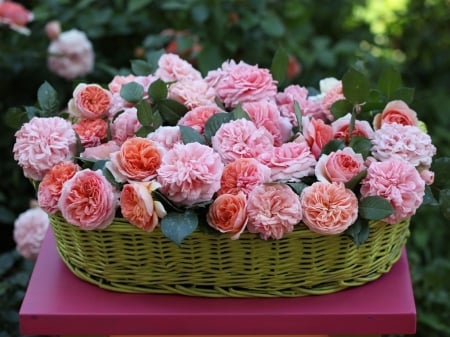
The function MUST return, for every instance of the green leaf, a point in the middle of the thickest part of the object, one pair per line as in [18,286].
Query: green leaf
[361,145]
[135,5]
[110,177]
[341,108]
[428,198]
[279,65]
[359,231]
[177,226]
[200,13]
[239,113]
[444,201]
[351,184]
[48,99]
[144,112]
[171,110]
[144,130]
[15,117]
[441,169]
[132,92]
[99,164]
[374,208]
[404,94]
[7,261]
[141,67]
[298,118]
[355,86]
[215,122]
[271,24]
[297,187]
[157,91]
[153,58]
[333,146]
[390,80]
[190,135]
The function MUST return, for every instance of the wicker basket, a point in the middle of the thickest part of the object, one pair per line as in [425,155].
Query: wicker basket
[126,259]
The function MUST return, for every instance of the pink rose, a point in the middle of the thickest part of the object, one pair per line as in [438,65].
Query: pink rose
[197,117]
[427,176]
[396,112]
[125,125]
[71,55]
[290,161]
[118,81]
[340,166]
[341,128]
[317,134]
[30,228]
[172,67]
[102,151]
[15,16]
[273,210]
[139,207]
[190,173]
[239,83]
[241,139]
[166,136]
[88,200]
[53,29]
[90,101]
[328,208]
[192,93]
[333,94]
[42,143]
[92,132]
[243,175]
[398,182]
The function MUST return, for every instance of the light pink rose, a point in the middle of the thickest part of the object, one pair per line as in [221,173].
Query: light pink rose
[53,29]
[88,200]
[328,208]
[404,142]
[290,161]
[241,139]
[397,181]
[340,166]
[30,228]
[102,151]
[396,112]
[273,210]
[190,173]
[341,128]
[71,55]
[172,67]
[166,136]
[90,101]
[241,82]
[42,143]
[317,134]
[118,81]
[197,117]
[192,93]
[125,126]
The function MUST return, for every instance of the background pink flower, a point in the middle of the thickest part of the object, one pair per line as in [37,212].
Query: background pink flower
[190,173]
[397,181]
[273,210]
[15,16]
[192,93]
[88,200]
[42,143]
[172,67]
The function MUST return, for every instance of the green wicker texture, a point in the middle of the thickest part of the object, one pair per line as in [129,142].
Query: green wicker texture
[126,259]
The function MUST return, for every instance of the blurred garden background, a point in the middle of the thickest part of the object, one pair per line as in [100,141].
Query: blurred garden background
[322,38]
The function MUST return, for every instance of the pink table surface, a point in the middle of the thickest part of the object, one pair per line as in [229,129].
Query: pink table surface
[58,303]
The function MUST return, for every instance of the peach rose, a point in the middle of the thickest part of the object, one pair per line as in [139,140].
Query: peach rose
[139,207]
[340,166]
[317,134]
[328,208]
[102,151]
[197,117]
[92,132]
[396,112]
[227,214]
[137,160]
[90,101]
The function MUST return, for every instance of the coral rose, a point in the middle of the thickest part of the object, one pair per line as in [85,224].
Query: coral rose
[396,112]
[328,208]
[340,166]
[227,214]
[88,200]
[90,101]
[273,210]
[197,117]
[341,128]
[317,134]
[139,207]
[15,16]
[92,132]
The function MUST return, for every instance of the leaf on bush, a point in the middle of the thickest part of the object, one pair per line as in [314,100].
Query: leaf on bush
[404,94]
[110,177]
[48,99]
[340,108]
[351,184]
[144,130]
[153,58]
[132,92]
[359,231]
[444,202]
[297,187]
[441,169]
[215,122]
[238,113]
[171,111]
[271,24]
[177,226]
[279,65]
[374,208]
[157,91]
[390,80]
[361,145]
[190,135]
[7,261]
[144,112]
[141,67]
[428,198]
[15,117]
[355,86]
[333,146]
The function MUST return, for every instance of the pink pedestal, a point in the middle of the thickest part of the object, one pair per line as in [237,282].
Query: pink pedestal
[58,303]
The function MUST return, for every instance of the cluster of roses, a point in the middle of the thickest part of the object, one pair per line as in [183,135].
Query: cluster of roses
[242,174]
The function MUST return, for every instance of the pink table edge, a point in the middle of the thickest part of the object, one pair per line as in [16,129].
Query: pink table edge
[58,303]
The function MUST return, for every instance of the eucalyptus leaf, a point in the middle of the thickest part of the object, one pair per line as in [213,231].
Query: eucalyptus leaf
[359,231]
[157,91]
[132,92]
[355,86]
[215,122]
[374,208]
[279,65]
[48,99]
[177,226]
[190,135]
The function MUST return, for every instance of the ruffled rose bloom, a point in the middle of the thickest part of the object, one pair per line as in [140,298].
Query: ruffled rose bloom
[404,142]
[50,187]
[290,161]
[341,128]
[328,208]
[88,200]
[125,125]
[71,55]
[317,134]
[241,139]
[332,93]
[92,132]
[172,67]
[227,214]
[190,173]
[166,136]
[42,143]
[192,93]
[102,151]
[90,101]
[340,166]
[273,210]
[242,176]
[266,114]
[241,82]
[396,112]
[137,160]
[197,117]
[15,16]
[397,181]
[118,81]
[139,207]
[30,228]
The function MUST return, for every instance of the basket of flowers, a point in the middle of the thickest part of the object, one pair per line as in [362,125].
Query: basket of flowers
[167,181]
